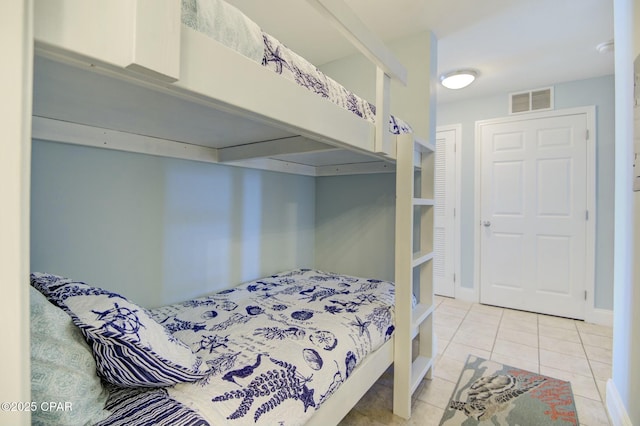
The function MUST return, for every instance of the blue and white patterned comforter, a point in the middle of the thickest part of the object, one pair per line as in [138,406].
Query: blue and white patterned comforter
[278,347]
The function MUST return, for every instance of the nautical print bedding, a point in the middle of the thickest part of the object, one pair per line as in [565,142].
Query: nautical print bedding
[278,347]
[294,67]
[235,30]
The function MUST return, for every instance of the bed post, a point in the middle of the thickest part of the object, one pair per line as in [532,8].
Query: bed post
[412,365]
[383,141]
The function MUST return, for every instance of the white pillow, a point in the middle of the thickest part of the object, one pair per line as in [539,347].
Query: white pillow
[130,348]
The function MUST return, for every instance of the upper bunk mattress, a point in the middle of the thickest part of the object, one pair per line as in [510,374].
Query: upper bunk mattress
[229,26]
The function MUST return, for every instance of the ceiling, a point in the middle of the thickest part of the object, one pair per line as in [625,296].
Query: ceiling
[514,45]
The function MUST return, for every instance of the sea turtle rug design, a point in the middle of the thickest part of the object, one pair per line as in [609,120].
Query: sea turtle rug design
[489,393]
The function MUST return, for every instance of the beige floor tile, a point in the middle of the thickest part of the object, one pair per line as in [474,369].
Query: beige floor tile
[436,392]
[452,311]
[515,350]
[525,325]
[474,327]
[600,330]
[581,385]
[598,354]
[444,332]
[477,340]
[424,414]
[590,412]
[357,418]
[482,318]
[375,405]
[460,304]
[558,322]
[448,369]
[446,319]
[597,340]
[487,310]
[461,352]
[516,362]
[562,346]
[564,362]
[520,315]
[441,345]
[601,370]
[529,339]
[559,333]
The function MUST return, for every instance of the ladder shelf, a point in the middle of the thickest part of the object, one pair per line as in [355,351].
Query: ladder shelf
[414,340]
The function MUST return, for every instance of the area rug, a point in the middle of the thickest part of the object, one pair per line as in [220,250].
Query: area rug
[490,393]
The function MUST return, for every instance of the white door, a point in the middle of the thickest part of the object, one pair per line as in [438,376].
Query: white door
[534,214]
[444,232]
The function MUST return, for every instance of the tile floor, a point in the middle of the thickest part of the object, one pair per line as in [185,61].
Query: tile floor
[558,347]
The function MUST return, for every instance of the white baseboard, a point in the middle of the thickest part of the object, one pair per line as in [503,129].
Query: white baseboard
[615,408]
[600,316]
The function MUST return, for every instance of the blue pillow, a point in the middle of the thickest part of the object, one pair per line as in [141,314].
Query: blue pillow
[130,348]
[62,368]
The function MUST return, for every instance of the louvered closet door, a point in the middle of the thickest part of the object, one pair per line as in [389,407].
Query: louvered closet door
[444,214]
[533,215]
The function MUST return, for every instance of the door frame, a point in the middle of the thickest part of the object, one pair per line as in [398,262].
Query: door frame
[455,240]
[590,115]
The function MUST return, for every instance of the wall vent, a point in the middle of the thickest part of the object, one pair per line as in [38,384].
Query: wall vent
[530,101]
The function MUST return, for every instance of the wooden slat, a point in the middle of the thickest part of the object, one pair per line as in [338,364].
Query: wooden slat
[419,369]
[420,313]
[424,202]
[383,142]
[80,134]
[356,169]
[422,258]
[296,144]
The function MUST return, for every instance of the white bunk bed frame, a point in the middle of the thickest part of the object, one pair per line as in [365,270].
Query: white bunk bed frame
[141,44]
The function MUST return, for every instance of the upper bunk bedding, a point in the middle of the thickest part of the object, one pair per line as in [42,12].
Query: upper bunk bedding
[229,26]
[172,80]
[270,351]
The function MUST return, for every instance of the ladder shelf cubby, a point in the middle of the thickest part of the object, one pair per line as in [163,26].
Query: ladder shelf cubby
[414,340]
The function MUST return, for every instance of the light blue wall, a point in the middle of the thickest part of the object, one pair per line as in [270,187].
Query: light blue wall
[161,230]
[596,91]
[355,223]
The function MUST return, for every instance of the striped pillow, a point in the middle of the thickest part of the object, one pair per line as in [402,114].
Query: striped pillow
[130,348]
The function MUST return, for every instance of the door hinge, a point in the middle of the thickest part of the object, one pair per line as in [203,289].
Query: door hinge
[454,212]
[587,134]
[454,277]
[586,215]
[585,295]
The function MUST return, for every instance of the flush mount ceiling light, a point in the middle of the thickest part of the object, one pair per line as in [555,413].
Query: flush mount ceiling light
[605,47]
[458,79]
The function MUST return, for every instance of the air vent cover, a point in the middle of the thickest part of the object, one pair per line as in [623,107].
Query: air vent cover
[532,100]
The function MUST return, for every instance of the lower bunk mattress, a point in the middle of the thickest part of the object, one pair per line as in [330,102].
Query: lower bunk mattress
[270,351]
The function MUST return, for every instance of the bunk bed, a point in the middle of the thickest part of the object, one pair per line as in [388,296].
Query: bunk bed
[98,68]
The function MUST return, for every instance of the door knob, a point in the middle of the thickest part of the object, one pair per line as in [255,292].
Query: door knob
[486,223]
